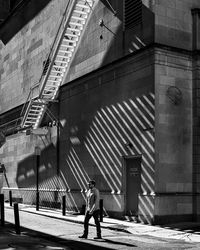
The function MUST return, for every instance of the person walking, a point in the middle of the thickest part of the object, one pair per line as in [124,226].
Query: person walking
[92,210]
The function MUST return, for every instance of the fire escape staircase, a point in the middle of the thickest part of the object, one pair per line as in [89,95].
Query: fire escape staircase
[58,62]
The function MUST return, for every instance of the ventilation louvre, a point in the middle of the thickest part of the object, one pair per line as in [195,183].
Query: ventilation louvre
[132,13]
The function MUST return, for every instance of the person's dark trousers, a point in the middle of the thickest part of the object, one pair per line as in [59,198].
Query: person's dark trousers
[96,220]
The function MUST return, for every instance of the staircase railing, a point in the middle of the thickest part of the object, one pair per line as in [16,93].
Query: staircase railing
[27,104]
[58,61]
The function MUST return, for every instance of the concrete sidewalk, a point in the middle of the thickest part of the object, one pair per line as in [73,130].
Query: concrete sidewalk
[179,231]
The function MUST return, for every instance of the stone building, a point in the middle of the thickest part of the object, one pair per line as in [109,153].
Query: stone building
[125,113]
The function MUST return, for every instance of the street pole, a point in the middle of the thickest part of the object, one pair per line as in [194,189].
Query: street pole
[101,209]
[37,181]
[37,152]
[64,205]
[10,197]
[16,214]
[2,209]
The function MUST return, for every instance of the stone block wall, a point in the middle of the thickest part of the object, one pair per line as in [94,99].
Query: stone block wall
[173,22]
[103,44]
[21,59]
[18,156]
[16,148]
[102,113]
[99,45]
[174,177]
[21,67]
[196,135]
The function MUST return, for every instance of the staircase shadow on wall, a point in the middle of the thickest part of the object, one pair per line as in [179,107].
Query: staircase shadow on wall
[26,171]
[26,177]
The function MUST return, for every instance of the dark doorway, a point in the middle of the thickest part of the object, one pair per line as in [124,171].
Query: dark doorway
[133,184]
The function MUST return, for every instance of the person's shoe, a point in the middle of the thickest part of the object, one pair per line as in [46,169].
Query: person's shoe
[98,237]
[83,236]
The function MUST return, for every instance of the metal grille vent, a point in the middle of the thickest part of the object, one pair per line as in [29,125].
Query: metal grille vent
[132,13]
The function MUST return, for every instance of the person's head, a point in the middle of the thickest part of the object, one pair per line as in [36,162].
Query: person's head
[91,184]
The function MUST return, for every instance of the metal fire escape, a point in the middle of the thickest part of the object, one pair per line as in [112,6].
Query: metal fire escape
[57,63]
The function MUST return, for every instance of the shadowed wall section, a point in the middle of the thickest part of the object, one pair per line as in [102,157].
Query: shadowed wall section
[123,129]
[107,116]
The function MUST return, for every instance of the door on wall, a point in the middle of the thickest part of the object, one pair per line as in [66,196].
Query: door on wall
[133,184]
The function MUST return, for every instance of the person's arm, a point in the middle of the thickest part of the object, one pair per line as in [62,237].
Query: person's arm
[96,201]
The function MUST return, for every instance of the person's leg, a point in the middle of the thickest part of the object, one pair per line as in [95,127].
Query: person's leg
[86,223]
[96,220]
